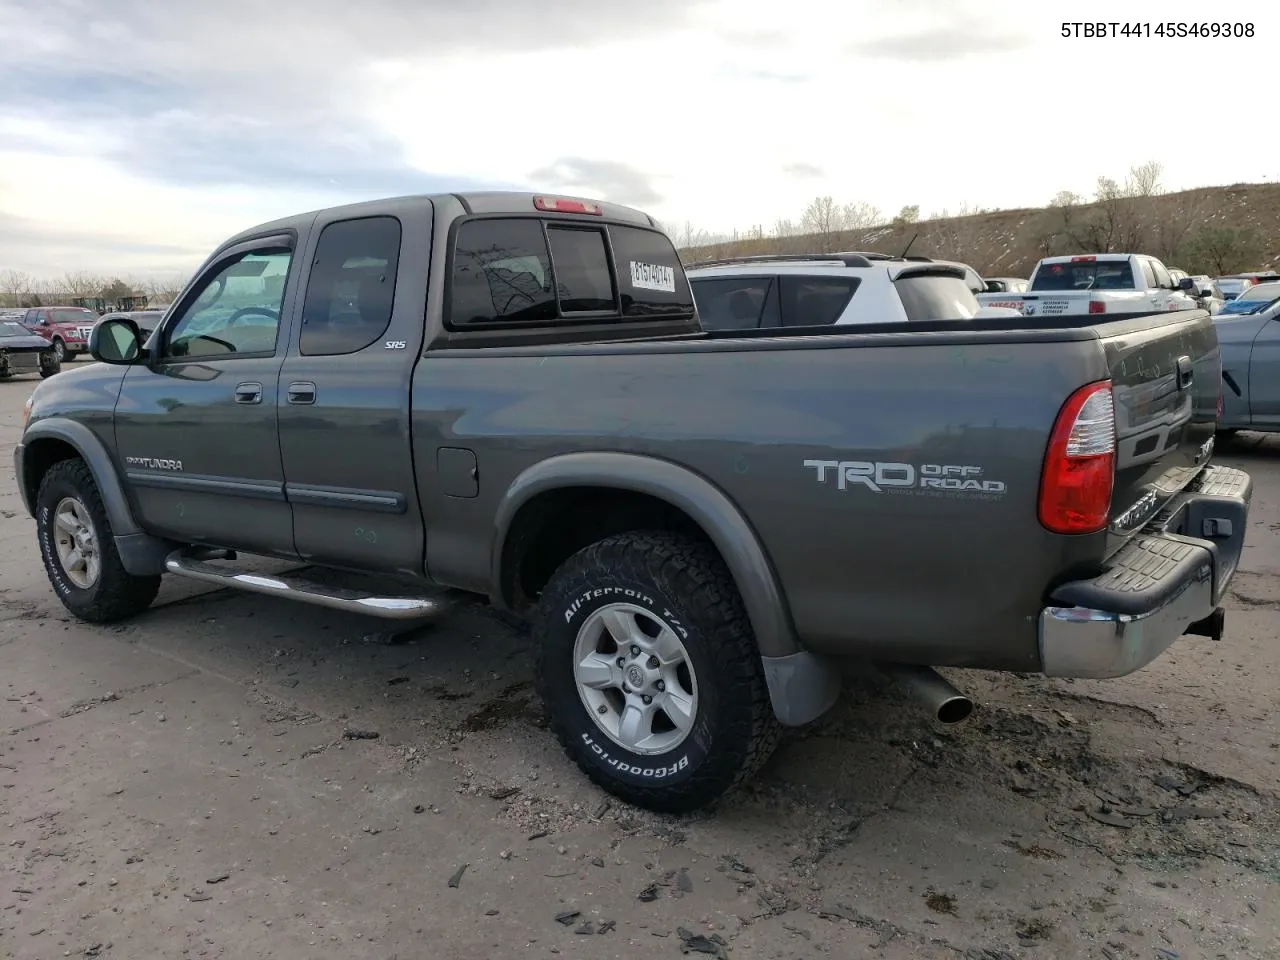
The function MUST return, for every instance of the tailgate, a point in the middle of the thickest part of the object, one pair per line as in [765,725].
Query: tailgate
[1166,374]
[1044,304]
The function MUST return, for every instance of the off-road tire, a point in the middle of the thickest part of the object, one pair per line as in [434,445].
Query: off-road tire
[50,369]
[117,594]
[734,731]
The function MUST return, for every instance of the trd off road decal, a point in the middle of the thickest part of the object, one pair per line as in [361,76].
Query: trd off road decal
[959,481]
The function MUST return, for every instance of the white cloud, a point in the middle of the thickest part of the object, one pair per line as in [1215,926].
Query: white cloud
[735,114]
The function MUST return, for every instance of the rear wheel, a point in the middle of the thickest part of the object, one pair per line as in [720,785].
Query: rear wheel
[79,551]
[49,364]
[649,672]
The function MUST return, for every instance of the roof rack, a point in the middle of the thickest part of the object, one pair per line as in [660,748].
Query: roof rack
[847,259]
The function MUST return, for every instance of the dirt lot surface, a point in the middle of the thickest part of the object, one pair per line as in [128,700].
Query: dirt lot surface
[205,781]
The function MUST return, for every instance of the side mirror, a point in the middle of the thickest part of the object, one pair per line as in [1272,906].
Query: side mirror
[1187,284]
[117,341]
[1205,292]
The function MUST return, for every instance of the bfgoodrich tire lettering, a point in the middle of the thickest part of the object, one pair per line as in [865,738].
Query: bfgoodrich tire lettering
[728,729]
[111,593]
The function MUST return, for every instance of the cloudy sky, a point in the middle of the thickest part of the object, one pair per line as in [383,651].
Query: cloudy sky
[134,134]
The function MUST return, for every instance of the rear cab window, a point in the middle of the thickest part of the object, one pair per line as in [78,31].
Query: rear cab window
[513,271]
[1084,275]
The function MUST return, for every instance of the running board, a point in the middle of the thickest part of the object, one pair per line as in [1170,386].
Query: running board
[194,564]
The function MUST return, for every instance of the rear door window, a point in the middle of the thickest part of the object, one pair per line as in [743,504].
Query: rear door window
[927,296]
[734,303]
[1163,280]
[522,270]
[1148,275]
[815,301]
[352,286]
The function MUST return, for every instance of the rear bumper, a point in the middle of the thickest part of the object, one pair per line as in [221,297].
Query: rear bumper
[1171,576]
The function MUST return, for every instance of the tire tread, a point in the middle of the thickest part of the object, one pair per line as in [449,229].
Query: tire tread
[693,572]
[120,594]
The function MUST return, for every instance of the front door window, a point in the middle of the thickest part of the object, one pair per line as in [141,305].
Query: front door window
[236,312]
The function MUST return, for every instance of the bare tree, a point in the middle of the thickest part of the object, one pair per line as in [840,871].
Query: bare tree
[823,218]
[907,215]
[162,290]
[14,286]
[81,284]
[115,289]
[688,236]
[1066,200]
[861,216]
[1144,179]
[1171,222]
[1224,250]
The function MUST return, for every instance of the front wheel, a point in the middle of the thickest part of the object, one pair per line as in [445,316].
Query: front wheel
[649,672]
[59,351]
[79,551]
[49,365]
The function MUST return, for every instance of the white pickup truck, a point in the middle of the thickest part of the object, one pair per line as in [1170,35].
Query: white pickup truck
[1097,283]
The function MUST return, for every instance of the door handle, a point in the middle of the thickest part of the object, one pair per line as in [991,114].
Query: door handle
[302,392]
[1186,372]
[249,393]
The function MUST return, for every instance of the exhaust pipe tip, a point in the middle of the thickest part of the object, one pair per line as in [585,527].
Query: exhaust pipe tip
[954,709]
[947,704]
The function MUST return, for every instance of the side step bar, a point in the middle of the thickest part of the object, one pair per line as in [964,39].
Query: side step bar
[194,564]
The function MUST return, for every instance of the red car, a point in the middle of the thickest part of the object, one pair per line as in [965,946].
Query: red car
[67,328]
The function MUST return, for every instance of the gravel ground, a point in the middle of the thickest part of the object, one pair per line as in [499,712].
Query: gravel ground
[205,781]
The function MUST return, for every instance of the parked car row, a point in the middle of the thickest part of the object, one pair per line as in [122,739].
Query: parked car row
[41,339]
[1249,334]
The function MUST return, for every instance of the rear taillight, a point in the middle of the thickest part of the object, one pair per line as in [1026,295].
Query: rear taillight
[1079,467]
[1097,306]
[1084,259]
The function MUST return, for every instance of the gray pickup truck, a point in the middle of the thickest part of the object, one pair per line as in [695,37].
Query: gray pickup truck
[511,396]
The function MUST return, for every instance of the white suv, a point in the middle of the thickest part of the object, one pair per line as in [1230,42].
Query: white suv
[819,290]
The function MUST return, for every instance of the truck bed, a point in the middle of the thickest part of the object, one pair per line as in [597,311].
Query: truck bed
[911,574]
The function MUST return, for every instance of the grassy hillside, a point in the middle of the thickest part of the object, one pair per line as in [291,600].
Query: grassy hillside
[1213,230]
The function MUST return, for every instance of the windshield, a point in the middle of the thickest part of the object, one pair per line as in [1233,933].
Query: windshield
[1231,286]
[8,328]
[1085,275]
[77,315]
[1254,300]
